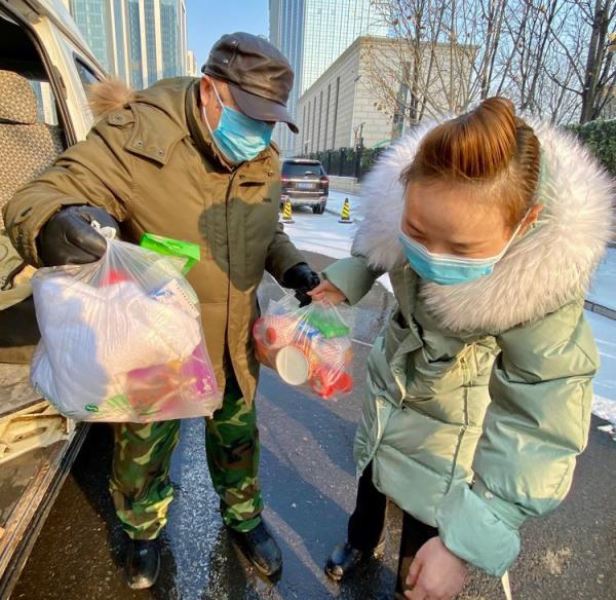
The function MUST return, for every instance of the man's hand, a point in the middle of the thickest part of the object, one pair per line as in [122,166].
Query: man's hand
[68,238]
[327,291]
[435,573]
[302,279]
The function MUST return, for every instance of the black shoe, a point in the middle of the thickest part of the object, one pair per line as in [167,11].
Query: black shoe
[142,563]
[260,548]
[345,558]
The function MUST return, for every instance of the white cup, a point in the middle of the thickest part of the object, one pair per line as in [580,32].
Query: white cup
[292,365]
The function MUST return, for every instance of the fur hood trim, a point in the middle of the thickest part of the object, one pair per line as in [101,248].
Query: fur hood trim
[108,96]
[547,268]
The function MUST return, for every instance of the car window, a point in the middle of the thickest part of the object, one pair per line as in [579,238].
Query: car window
[294,170]
[47,111]
[87,75]
[20,55]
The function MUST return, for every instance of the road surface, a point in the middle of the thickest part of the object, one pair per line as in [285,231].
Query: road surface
[309,485]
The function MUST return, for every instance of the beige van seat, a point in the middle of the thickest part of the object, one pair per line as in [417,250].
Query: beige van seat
[27,147]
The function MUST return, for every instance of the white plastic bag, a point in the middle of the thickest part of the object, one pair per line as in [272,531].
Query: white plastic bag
[121,340]
[309,345]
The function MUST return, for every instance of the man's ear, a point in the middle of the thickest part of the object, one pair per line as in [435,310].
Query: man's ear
[205,89]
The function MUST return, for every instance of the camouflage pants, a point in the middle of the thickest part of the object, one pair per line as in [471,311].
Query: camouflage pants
[140,485]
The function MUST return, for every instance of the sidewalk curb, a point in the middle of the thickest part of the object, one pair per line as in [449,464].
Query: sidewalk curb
[604,311]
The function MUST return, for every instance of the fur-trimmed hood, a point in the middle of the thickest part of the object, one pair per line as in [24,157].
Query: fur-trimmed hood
[547,268]
[109,95]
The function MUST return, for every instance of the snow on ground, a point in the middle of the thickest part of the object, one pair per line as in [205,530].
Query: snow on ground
[321,233]
[324,235]
[603,289]
[605,381]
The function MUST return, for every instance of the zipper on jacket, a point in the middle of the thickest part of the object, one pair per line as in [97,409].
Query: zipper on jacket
[465,383]
[227,197]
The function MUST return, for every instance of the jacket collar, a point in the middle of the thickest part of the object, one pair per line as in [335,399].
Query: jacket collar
[154,137]
[550,266]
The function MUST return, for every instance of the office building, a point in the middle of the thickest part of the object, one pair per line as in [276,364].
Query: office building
[138,41]
[340,109]
[192,68]
[92,18]
[312,34]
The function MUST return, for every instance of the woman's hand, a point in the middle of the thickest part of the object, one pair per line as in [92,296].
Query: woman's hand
[435,573]
[327,291]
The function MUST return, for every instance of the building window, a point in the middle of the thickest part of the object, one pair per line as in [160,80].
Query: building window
[335,124]
[320,116]
[87,76]
[136,74]
[118,11]
[307,141]
[170,31]
[150,41]
[401,102]
[304,127]
[314,120]
[329,97]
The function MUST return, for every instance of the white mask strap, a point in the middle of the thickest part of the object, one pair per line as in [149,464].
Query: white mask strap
[203,111]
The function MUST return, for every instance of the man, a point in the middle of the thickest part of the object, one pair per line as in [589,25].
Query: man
[188,159]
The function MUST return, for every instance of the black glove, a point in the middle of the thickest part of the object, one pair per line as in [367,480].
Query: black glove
[68,238]
[302,279]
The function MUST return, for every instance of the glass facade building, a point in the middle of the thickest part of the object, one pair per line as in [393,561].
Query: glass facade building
[312,34]
[138,41]
[134,45]
[150,40]
[92,18]
[170,35]
[119,35]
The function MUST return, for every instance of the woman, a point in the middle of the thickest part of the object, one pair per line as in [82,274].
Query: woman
[480,386]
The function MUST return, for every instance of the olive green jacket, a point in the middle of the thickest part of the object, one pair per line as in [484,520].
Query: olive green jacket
[151,163]
[479,394]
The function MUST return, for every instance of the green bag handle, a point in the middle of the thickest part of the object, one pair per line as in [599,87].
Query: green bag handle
[188,251]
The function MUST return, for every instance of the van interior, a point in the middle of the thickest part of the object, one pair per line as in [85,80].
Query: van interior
[31,137]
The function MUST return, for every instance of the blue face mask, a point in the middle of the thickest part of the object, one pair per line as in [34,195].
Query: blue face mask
[239,137]
[447,269]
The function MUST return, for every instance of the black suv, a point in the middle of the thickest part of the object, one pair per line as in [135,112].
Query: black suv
[304,183]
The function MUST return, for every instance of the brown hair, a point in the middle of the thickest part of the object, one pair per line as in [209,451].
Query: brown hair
[487,146]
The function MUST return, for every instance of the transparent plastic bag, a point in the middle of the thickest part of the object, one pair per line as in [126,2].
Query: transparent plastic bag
[307,345]
[121,340]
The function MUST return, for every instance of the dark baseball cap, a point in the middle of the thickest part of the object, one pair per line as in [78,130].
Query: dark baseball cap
[260,78]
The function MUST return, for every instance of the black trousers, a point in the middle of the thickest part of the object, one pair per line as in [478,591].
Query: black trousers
[367,526]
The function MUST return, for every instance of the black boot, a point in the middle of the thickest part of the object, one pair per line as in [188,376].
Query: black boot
[142,563]
[260,548]
[345,559]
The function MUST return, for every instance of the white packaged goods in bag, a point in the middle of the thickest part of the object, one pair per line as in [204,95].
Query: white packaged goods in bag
[121,340]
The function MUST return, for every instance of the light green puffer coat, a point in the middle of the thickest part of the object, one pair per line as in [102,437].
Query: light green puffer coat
[480,394]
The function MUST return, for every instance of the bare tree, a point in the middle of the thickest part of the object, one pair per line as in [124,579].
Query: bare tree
[553,58]
[600,74]
[427,69]
[584,34]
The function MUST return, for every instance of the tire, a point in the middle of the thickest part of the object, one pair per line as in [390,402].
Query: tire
[316,209]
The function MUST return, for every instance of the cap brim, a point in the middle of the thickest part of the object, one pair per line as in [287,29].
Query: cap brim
[262,109]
